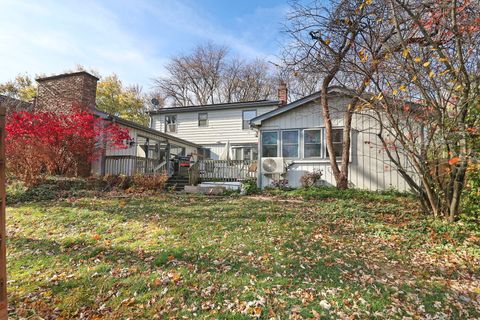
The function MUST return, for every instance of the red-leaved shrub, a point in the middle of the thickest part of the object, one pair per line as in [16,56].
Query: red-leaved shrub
[47,143]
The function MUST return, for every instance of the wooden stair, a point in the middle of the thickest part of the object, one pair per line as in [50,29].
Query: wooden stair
[177,183]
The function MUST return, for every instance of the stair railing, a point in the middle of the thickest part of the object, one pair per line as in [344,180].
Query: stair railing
[194,174]
[160,168]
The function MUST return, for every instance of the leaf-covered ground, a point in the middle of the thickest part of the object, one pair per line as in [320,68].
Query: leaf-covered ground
[177,256]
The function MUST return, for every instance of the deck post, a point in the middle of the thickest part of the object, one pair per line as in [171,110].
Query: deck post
[3,257]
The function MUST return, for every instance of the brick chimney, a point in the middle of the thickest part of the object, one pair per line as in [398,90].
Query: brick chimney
[61,92]
[282,93]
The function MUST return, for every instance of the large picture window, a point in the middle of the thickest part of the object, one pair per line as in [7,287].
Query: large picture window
[248,115]
[270,144]
[312,144]
[290,144]
[337,140]
[170,123]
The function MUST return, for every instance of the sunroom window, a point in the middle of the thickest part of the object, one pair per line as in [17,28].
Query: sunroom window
[269,144]
[290,143]
[312,143]
[337,140]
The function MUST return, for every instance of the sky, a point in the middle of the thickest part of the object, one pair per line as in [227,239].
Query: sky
[133,39]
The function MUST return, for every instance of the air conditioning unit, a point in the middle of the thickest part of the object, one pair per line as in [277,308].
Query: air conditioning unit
[273,165]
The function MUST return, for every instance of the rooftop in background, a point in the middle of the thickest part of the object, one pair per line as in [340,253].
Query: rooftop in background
[63,75]
[13,104]
[217,106]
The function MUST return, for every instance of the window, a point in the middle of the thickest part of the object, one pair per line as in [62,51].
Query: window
[247,116]
[290,144]
[205,153]
[245,153]
[269,144]
[171,123]
[337,140]
[311,144]
[203,119]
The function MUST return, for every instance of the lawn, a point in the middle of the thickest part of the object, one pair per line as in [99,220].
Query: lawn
[353,255]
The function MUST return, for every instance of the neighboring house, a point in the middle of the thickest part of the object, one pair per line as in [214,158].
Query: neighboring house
[212,126]
[296,132]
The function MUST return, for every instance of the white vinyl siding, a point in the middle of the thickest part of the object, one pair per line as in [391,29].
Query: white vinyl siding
[223,125]
[369,168]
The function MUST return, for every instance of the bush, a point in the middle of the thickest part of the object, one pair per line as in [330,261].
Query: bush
[49,189]
[150,182]
[471,196]
[311,179]
[249,186]
[281,184]
[40,144]
[115,182]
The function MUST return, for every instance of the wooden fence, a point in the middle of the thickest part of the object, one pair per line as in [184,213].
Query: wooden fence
[222,170]
[3,258]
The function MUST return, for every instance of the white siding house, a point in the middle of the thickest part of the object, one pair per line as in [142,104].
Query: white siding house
[212,126]
[296,133]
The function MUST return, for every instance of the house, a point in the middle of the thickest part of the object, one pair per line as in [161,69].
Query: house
[213,126]
[148,150]
[296,133]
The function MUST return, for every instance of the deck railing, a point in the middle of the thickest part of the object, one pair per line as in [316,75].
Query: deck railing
[129,165]
[222,170]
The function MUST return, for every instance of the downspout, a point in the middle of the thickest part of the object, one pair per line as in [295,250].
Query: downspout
[259,156]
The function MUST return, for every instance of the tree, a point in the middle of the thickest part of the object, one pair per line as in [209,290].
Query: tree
[21,88]
[427,92]
[47,143]
[323,41]
[208,75]
[123,101]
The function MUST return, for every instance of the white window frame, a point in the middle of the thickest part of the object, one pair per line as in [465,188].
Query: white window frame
[322,143]
[243,118]
[206,120]
[166,125]
[298,143]
[261,142]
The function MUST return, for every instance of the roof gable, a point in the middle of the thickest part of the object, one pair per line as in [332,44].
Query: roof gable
[332,91]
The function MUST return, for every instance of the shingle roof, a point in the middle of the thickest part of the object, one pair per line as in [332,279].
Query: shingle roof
[15,104]
[217,106]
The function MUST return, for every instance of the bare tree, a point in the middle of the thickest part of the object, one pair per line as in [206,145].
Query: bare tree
[208,75]
[435,64]
[323,41]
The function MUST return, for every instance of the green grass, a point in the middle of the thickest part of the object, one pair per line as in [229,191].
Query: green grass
[284,255]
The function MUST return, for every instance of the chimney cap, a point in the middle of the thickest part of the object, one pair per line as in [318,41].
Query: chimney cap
[63,75]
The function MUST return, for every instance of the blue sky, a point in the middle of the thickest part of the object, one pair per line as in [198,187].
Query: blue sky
[133,38]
